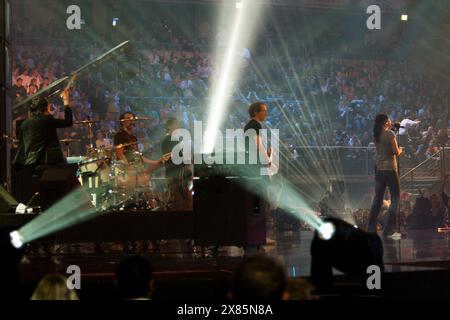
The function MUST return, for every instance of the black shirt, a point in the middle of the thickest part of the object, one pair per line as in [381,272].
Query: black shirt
[123,137]
[38,140]
[256,126]
[253,124]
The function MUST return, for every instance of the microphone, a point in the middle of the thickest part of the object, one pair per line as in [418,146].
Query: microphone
[32,198]
[396,126]
[22,208]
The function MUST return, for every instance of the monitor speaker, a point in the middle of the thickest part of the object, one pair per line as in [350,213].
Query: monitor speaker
[57,182]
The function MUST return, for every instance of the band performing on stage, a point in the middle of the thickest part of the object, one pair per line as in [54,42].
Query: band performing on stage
[224,151]
[119,176]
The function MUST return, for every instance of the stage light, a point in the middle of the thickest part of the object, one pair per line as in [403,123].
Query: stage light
[349,250]
[73,209]
[223,87]
[115,21]
[404,17]
[326,231]
[10,257]
[291,202]
[16,239]
[228,62]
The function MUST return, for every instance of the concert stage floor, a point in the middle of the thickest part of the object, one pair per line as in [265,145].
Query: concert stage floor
[420,251]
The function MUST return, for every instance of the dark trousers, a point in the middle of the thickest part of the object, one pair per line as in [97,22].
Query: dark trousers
[385,179]
[26,183]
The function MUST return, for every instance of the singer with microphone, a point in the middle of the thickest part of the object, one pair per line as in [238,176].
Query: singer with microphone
[386,175]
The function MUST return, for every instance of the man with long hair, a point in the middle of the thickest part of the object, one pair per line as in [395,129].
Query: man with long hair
[386,174]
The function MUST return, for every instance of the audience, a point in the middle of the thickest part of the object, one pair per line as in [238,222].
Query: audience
[259,279]
[351,93]
[300,289]
[54,287]
[134,279]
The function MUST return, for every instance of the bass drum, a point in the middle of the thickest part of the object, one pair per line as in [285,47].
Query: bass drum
[132,177]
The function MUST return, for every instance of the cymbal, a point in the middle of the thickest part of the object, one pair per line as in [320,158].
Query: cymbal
[92,160]
[69,140]
[122,145]
[87,121]
[135,119]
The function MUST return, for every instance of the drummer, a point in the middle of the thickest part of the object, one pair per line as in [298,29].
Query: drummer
[129,152]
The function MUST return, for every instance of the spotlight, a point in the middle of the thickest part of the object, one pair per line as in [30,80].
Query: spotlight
[10,257]
[243,21]
[404,17]
[338,244]
[326,231]
[16,239]
[115,21]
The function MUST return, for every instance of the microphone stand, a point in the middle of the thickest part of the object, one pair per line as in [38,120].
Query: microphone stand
[398,172]
[31,200]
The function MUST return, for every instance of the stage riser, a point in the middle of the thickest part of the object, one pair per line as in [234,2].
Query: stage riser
[116,226]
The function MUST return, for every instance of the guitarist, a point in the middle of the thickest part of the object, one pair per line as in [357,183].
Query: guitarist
[258,113]
[178,176]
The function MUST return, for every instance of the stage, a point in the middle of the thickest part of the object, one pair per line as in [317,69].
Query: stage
[416,266]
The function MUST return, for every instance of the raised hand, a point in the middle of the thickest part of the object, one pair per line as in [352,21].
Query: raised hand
[165,158]
[65,95]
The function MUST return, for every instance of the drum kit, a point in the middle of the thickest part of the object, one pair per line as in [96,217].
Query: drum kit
[111,183]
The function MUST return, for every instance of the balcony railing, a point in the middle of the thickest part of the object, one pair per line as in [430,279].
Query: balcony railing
[342,161]
[427,173]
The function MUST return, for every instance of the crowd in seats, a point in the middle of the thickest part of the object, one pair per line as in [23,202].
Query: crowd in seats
[313,101]
[168,84]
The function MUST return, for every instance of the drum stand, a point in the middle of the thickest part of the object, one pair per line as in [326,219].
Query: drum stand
[67,149]
[90,134]
[112,192]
